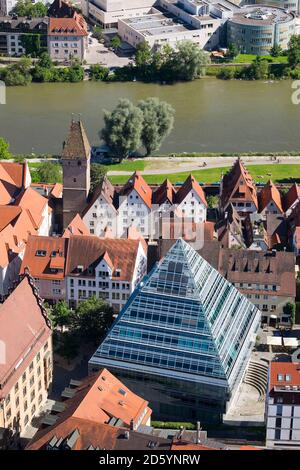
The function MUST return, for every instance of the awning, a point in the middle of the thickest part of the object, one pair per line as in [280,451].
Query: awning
[273,316]
[291,342]
[274,340]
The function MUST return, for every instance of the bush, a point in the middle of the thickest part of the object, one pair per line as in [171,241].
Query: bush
[98,73]
[226,73]
[173,425]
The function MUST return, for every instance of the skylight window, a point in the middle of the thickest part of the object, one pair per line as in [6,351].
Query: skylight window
[280,378]
[288,378]
[122,392]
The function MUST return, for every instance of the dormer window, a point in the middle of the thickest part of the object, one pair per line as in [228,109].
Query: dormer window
[80,268]
[118,272]
[40,253]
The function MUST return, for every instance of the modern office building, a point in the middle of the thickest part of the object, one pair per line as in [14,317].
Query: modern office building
[183,340]
[255,29]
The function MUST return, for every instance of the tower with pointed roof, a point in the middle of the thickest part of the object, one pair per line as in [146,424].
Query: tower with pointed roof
[76,157]
[184,339]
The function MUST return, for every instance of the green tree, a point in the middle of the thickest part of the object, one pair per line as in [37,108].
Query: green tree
[212,201]
[75,73]
[4,150]
[98,72]
[123,128]
[290,311]
[32,44]
[189,61]
[143,55]
[98,173]
[226,73]
[276,50]
[158,120]
[60,315]
[98,33]
[49,172]
[233,51]
[115,42]
[258,70]
[293,51]
[27,8]
[92,319]
[45,61]
[17,74]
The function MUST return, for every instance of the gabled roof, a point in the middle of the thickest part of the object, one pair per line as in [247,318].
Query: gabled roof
[164,193]
[238,185]
[292,196]
[12,180]
[89,251]
[189,185]
[76,227]
[23,326]
[74,26]
[269,193]
[136,182]
[106,190]
[43,254]
[34,203]
[77,143]
[8,214]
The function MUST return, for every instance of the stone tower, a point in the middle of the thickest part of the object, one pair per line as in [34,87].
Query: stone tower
[76,162]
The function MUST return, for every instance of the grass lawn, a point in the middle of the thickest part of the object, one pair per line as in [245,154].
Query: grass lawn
[278,173]
[127,165]
[248,58]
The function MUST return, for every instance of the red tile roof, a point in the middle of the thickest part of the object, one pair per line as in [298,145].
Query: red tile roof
[164,193]
[238,185]
[75,26]
[284,369]
[76,227]
[189,185]
[23,330]
[184,445]
[97,400]
[136,182]
[40,266]
[88,252]
[269,193]
[8,214]
[292,195]
[34,203]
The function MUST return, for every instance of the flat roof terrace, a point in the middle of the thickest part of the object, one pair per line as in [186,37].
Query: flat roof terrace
[157,23]
[258,15]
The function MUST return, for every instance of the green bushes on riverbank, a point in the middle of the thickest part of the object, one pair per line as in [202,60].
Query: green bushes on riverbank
[23,72]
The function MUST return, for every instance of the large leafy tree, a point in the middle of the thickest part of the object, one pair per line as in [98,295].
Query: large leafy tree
[61,314]
[189,61]
[4,150]
[293,51]
[98,172]
[92,319]
[49,172]
[158,120]
[27,8]
[123,128]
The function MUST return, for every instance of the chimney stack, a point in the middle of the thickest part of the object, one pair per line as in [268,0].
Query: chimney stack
[131,425]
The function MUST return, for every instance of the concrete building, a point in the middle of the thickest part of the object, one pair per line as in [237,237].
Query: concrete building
[290,5]
[108,12]
[67,38]
[26,357]
[283,406]
[256,29]
[13,29]
[159,29]
[183,340]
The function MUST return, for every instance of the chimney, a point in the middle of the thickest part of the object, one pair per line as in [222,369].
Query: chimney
[198,432]
[131,425]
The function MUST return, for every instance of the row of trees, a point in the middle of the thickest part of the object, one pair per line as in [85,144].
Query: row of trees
[128,127]
[27,8]
[23,72]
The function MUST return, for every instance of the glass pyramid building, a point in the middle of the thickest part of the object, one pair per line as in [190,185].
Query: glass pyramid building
[183,340]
